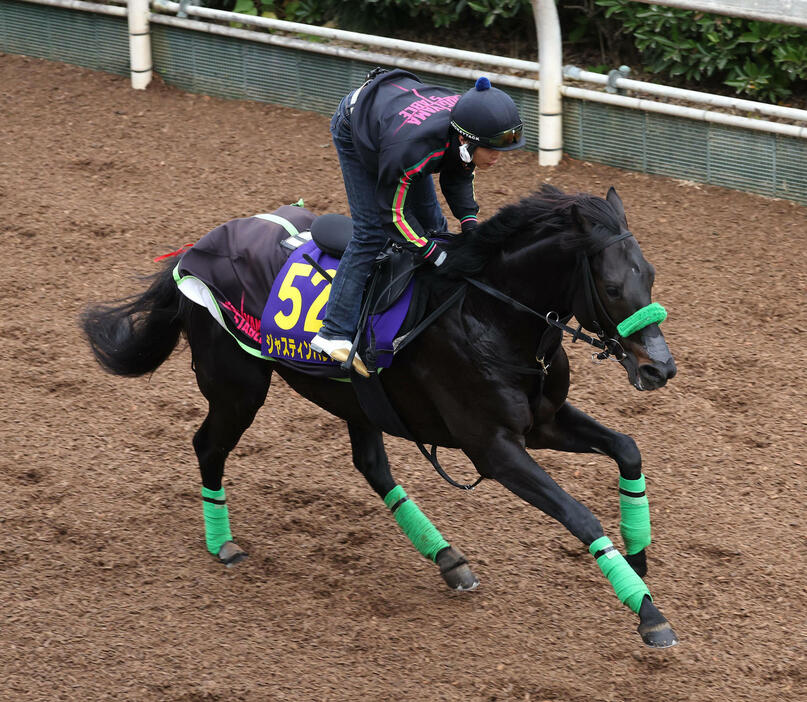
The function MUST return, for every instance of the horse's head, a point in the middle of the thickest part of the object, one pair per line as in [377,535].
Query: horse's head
[539,238]
[614,300]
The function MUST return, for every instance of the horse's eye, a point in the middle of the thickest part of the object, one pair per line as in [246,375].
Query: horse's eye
[611,291]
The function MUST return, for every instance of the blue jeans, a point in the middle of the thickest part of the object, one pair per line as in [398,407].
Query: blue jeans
[344,303]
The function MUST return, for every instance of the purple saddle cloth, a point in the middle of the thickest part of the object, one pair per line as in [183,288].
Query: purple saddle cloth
[296,306]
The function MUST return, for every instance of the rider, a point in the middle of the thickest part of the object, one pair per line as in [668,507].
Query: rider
[391,134]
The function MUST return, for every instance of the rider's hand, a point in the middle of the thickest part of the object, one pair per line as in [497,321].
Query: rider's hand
[436,256]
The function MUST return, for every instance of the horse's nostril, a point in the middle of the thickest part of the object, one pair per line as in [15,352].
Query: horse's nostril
[652,376]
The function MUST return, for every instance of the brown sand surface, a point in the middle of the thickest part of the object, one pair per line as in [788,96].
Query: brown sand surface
[107,590]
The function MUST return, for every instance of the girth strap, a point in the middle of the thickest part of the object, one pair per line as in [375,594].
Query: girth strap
[376,405]
[374,400]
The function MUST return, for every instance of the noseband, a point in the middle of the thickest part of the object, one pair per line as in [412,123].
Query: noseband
[653,313]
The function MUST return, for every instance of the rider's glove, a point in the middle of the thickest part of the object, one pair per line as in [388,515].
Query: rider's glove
[434,255]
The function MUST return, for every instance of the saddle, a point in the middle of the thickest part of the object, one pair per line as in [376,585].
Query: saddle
[390,279]
[394,266]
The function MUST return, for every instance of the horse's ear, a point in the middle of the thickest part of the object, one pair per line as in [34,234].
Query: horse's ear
[580,220]
[616,202]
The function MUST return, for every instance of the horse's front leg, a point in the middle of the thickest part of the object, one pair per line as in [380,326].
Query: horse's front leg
[505,459]
[574,431]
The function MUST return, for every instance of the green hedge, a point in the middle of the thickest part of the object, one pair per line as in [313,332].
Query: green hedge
[385,15]
[761,60]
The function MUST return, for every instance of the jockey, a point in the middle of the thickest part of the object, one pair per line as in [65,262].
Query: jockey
[390,135]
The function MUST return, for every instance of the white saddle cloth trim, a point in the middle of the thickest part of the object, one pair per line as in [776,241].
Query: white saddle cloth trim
[196,291]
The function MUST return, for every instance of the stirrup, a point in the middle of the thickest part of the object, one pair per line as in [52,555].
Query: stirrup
[339,350]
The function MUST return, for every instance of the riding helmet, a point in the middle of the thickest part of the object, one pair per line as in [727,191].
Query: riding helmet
[488,117]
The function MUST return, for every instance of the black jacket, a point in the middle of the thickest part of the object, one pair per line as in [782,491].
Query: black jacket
[401,132]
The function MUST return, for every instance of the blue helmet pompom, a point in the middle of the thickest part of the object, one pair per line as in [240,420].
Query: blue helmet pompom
[482,83]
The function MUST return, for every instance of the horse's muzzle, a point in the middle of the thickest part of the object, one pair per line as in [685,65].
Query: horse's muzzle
[652,376]
[648,362]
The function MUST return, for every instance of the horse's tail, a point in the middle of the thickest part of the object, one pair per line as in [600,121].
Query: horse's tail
[136,335]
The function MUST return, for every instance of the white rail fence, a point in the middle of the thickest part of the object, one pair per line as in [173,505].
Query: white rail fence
[548,79]
[546,76]
[548,73]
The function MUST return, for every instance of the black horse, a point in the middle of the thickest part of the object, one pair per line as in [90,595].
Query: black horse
[472,380]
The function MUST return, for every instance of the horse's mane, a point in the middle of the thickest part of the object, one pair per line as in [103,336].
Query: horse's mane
[547,213]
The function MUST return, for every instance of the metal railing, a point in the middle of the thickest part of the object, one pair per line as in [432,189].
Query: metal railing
[607,133]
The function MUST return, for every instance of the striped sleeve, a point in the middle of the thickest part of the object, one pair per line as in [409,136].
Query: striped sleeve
[411,230]
[458,189]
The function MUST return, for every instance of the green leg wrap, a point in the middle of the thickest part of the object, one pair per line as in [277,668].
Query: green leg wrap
[421,532]
[635,510]
[629,587]
[217,519]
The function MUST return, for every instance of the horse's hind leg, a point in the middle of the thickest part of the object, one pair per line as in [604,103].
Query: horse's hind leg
[574,431]
[370,458]
[235,385]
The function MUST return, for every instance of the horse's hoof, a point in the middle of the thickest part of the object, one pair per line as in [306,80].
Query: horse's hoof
[658,635]
[231,553]
[455,570]
[638,561]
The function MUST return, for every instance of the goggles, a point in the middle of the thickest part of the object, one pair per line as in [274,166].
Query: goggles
[502,139]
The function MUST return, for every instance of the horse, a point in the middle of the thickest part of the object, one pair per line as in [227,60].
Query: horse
[488,376]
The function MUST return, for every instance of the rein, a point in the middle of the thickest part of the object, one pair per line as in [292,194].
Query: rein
[610,346]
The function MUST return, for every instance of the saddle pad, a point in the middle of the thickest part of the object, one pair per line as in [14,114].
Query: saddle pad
[297,304]
[235,268]
[230,270]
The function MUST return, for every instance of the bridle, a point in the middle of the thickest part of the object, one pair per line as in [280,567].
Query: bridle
[610,346]
[595,309]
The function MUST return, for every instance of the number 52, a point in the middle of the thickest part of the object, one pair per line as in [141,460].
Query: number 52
[288,291]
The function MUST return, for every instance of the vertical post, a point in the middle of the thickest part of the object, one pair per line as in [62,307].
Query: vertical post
[139,43]
[550,58]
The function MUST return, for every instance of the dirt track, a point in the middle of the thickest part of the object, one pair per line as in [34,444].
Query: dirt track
[107,590]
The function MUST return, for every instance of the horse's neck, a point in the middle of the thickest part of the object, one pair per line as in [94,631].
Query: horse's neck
[542,282]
